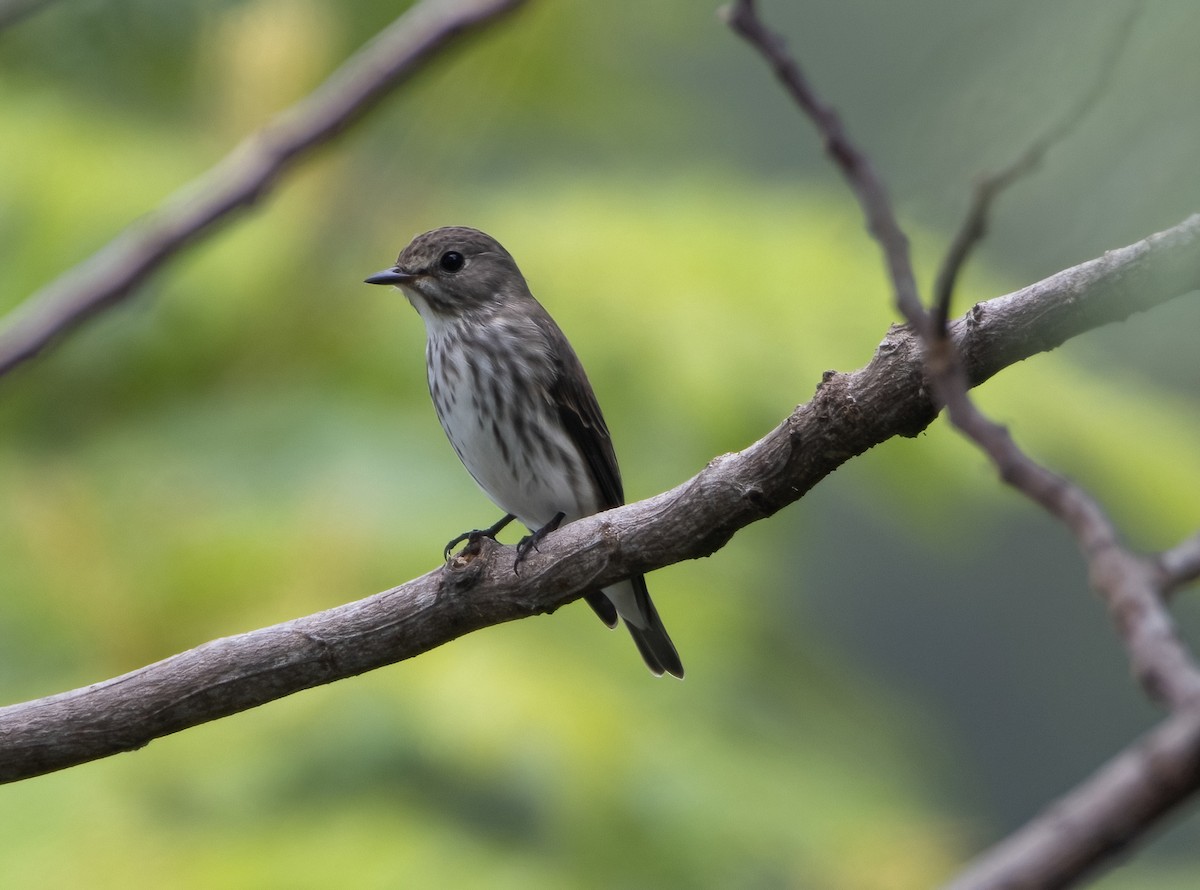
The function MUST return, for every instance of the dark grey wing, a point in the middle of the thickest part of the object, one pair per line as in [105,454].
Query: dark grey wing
[580,415]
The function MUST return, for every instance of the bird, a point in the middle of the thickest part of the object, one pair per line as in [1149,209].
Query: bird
[514,401]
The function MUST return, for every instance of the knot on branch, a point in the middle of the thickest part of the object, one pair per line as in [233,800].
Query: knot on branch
[758,501]
[467,568]
[319,650]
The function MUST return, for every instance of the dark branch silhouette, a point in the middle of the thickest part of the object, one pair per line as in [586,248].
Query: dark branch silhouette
[244,176]
[849,414]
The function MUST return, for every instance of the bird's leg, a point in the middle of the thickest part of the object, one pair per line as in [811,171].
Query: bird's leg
[475,535]
[530,542]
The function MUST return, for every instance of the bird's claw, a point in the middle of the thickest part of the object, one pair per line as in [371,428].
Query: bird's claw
[474,536]
[524,545]
[530,542]
[470,537]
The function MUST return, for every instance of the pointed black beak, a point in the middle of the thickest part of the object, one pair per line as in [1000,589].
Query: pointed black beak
[390,276]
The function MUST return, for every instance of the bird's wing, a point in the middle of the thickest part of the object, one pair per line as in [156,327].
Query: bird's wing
[581,418]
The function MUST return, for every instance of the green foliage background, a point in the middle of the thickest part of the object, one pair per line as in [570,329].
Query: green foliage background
[880,680]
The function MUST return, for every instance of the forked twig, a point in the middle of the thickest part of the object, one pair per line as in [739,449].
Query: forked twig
[1131,587]
[988,187]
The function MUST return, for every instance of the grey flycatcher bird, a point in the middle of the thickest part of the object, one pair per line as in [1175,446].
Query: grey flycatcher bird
[517,406]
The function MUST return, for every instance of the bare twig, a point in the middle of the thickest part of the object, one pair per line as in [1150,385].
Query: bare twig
[14,11]
[1131,587]
[849,414]
[1159,659]
[988,188]
[1180,565]
[1099,817]
[856,167]
[244,176]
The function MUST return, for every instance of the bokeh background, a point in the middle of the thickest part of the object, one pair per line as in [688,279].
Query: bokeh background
[882,679]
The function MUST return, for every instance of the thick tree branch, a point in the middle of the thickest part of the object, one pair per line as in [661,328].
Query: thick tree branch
[244,176]
[849,414]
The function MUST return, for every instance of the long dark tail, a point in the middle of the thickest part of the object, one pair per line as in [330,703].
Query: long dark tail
[652,639]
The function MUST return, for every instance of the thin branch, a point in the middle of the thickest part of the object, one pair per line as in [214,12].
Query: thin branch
[1127,584]
[13,12]
[1099,817]
[856,167]
[244,176]
[1131,587]
[849,414]
[1180,565]
[988,188]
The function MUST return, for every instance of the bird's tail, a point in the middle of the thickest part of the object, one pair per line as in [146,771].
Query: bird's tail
[633,603]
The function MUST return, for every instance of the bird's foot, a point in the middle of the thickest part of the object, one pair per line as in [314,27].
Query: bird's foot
[530,542]
[474,536]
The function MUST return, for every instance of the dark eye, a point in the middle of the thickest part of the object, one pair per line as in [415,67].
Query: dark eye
[452,261]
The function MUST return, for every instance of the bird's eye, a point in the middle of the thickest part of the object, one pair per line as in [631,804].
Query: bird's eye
[452,261]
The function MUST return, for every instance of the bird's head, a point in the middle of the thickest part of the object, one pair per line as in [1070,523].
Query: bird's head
[454,271]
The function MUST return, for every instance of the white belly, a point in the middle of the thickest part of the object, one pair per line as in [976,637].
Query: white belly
[533,472]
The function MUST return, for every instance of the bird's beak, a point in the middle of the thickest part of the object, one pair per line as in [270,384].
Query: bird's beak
[391,276]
